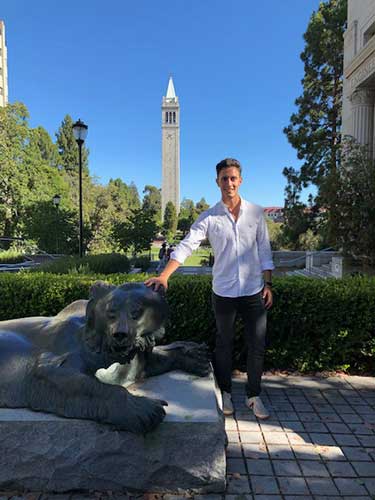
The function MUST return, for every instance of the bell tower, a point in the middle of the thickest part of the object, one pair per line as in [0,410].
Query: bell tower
[170,112]
[3,67]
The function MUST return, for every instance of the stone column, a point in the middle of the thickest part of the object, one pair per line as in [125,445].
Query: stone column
[309,260]
[337,266]
[363,117]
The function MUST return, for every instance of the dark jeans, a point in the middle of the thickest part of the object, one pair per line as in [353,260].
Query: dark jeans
[251,309]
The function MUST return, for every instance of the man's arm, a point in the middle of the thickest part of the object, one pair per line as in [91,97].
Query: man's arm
[162,279]
[196,235]
[265,256]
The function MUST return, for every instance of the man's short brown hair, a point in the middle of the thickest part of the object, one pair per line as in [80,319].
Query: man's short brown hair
[228,162]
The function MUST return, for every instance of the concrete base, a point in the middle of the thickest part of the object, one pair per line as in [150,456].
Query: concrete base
[186,453]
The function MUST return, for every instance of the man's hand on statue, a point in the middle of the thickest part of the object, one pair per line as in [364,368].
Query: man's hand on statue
[267,296]
[157,282]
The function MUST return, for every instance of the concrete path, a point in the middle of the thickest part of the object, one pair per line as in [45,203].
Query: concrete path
[318,444]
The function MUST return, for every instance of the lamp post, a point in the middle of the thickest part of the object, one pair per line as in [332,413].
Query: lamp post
[80,133]
[56,201]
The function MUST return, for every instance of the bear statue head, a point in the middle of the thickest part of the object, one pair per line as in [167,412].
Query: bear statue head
[123,320]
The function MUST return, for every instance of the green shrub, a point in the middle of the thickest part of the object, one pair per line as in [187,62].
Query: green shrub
[142,261]
[45,294]
[314,324]
[90,264]
[11,257]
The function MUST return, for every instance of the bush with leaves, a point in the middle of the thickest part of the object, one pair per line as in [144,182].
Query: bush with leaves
[314,325]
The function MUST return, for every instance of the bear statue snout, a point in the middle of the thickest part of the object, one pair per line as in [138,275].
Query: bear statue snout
[123,338]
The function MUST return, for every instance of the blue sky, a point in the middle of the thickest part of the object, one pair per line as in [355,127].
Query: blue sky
[235,66]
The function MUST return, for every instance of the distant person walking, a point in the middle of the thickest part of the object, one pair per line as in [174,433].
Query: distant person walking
[162,257]
[170,251]
[242,279]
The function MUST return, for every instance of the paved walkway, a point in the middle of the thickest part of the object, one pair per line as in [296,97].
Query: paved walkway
[318,444]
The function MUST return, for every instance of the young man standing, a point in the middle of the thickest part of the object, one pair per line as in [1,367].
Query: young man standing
[242,279]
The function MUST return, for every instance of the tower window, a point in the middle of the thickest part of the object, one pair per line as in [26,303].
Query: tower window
[166,117]
[174,116]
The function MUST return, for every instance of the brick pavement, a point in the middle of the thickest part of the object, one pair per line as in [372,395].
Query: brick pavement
[319,443]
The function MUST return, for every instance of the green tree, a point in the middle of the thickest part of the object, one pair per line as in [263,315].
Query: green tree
[26,174]
[108,205]
[54,230]
[48,150]
[314,129]
[152,201]
[137,233]
[170,220]
[310,240]
[125,198]
[187,215]
[296,219]
[355,203]
[13,138]
[68,148]
[275,233]
[201,206]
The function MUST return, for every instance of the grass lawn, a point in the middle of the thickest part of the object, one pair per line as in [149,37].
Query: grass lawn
[193,260]
[197,256]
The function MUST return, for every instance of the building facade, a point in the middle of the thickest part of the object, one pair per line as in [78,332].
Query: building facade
[3,67]
[274,213]
[170,108]
[358,116]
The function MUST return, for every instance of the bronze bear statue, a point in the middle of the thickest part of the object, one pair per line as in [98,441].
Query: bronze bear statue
[49,363]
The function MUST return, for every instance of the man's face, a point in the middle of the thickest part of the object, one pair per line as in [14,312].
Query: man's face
[229,180]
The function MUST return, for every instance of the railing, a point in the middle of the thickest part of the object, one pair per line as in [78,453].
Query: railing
[32,246]
[302,258]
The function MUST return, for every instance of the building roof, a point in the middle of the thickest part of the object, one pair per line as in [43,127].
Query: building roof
[269,210]
[171,94]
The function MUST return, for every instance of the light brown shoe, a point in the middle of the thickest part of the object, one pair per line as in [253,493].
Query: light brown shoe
[256,404]
[227,404]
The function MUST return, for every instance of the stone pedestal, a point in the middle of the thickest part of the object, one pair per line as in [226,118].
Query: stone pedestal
[42,452]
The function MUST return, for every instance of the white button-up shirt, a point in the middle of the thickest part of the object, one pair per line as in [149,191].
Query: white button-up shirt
[242,248]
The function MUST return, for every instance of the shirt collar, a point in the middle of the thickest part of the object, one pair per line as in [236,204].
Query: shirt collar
[226,210]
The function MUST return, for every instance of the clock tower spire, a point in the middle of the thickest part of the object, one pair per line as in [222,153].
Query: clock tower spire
[170,108]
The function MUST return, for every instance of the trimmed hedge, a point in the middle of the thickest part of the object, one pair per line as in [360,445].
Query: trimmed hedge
[314,324]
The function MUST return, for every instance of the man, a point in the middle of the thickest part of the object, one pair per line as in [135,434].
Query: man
[242,279]
[162,256]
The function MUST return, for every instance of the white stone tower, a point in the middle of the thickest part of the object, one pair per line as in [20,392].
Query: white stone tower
[3,67]
[170,108]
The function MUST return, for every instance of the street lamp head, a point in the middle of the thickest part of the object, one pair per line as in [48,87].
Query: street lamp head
[80,131]
[56,200]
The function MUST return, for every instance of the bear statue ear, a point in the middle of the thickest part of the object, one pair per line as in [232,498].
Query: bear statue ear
[99,289]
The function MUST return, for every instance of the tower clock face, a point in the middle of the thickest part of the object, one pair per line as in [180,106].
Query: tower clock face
[169,136]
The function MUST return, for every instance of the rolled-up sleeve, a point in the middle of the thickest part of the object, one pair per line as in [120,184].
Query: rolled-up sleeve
[197,233]
[264,246]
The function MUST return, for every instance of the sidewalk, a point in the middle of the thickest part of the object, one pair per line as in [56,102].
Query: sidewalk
[318,444]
